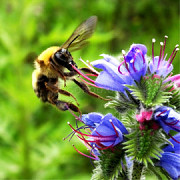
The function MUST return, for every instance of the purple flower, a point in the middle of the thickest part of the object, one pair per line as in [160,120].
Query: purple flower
[170,159]
[110,78]
[175,140]
[104,131]
[114,75]
[135,62]
[170,162]
[92,119]
[167,118]
[159,65]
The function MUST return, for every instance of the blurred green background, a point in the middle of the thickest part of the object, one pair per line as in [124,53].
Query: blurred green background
[31,133]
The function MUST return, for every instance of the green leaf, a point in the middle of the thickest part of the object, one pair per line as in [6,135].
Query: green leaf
[149,91]
[142,145]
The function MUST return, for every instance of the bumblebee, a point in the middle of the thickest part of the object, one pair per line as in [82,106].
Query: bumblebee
[51,64]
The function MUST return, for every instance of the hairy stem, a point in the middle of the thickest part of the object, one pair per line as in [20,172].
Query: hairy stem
[137,172]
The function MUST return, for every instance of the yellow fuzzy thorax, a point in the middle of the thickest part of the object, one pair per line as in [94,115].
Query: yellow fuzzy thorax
[45,55]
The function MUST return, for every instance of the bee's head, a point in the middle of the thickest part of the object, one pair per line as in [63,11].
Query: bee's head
[63,57]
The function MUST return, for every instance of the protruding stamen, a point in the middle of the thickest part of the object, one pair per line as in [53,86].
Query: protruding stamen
[114,127]
[177,49]
[119,68]
[165,37]
[160,55]
[91,75]
[173,56]
[94,158]
[161,113]
[126,65]
[89,66]
[89,83]
[173,138]
[96,138]
[153,41]
[76,117]
[83,75]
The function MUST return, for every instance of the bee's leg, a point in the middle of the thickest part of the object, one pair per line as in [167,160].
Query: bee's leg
[62,105]
[85,88]
[70,74]
[55,89]
[60,73]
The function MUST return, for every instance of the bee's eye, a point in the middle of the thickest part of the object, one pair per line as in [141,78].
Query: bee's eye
[59,56]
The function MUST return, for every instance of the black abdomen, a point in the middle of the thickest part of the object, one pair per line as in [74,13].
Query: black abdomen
[42,92]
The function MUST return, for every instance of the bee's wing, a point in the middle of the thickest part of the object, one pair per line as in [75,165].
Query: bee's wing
[84,31]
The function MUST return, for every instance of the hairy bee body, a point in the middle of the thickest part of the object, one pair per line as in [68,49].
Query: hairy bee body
[50,65]
[38,82]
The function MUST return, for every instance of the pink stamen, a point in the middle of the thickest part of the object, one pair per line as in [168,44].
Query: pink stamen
[83,75]
[91,75]
[161,43]
[162,113]
[82,139]
[142,56]
[153,41]
[165,37]
[126,65]
[119,68]
[76,117]
[94,158]
[90,83]
[173,57]
[105,139]
[114,128]
[174,139]
[89,66]
[172,53]
[101,138]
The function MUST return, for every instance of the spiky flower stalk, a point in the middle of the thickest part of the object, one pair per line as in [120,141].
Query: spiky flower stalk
[148,102]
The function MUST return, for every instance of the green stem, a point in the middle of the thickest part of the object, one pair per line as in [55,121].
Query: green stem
[137,171]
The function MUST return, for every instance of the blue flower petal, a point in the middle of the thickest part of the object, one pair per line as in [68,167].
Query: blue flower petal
[176,146]
[164,68]
[133,50]
[170,162]
[167,118]
[92,119]
[110,78]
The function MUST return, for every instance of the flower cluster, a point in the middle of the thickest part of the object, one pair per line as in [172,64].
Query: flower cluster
[101,132]
[149,96]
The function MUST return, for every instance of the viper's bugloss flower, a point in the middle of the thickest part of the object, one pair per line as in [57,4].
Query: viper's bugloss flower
[115,75]
[168,118]
[110,78]
[159,65]
[92,120]
[170,159]
[170,162]
[104,131]
[135,63]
